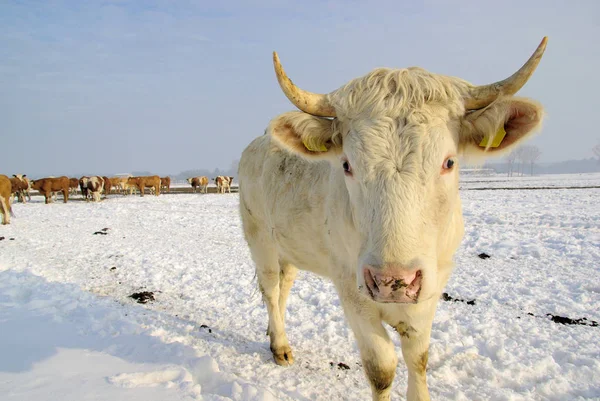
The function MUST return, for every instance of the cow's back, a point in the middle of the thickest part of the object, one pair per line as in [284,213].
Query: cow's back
[58,184]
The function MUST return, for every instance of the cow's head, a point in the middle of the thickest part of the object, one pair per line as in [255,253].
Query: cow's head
[394,138]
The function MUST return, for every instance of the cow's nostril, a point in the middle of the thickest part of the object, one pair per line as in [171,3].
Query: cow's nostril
[370,281]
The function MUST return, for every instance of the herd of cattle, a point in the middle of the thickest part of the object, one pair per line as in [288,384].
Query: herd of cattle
[19,186]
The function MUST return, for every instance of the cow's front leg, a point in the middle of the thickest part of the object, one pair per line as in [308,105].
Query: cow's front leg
[415,348]
[286,280]
[269,275]
[376,348]
[415,337]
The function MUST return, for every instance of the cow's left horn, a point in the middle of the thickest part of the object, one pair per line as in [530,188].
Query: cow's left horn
[311,103]
[481,96]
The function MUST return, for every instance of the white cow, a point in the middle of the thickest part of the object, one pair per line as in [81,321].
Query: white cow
[361,186]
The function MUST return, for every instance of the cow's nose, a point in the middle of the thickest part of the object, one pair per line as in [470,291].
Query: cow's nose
[392,283]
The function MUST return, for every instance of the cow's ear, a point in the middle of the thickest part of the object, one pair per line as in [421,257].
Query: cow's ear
[497,128]
[306,135]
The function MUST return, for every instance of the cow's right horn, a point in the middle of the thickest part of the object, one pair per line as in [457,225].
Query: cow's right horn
[311,103]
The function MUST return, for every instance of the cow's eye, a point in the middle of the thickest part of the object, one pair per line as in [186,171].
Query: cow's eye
[347,167]
[448,163]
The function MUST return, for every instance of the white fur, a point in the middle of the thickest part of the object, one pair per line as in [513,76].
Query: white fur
[400,208]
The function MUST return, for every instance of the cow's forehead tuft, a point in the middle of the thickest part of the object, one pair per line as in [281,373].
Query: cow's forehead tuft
[398,93]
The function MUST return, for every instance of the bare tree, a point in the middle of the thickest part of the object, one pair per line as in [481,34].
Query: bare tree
[530,154]
[596,150]
[510,162]
[233,168]
[519,154]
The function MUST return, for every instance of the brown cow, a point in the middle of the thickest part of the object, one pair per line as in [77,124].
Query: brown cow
[194,182]
[18,187]
[165,182]
[25,191]
[107,185]
[223,183]
[25,187]
[83,187]
[119,184]
[153,182]
[131,184]
[5,191]
[150,181]
[46,186]
[73,185]
[201,181]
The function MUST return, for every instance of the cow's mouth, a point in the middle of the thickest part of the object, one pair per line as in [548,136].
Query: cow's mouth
[393,287]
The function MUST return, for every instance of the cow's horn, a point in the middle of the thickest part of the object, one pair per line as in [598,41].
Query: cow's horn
[481,96]
[311,103]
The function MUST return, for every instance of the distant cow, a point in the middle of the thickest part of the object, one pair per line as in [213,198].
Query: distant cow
[83,187]
[107,186]
[131,184]
[165,182]
[201,181]
[18,187]
[5,191]
[223,183]
[151,181]
[46,186]
[73,185]
[95,185]
[26,187]
[119,183]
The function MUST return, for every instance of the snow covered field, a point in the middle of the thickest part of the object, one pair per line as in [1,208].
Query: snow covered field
[69,331]
[527,181]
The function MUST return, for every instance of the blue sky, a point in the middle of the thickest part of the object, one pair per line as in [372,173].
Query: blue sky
[103,87]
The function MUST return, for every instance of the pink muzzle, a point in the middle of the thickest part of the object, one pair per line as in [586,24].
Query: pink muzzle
[392,285]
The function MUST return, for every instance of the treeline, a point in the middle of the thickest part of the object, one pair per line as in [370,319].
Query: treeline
[590,165]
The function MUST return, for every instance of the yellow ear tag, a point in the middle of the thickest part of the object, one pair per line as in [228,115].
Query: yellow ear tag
[497,139]
[314,147]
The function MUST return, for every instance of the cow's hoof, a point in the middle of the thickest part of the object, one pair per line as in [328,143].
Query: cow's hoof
[283,356]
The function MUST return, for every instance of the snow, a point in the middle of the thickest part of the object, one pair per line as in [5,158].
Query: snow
[528,181]
[69,331]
